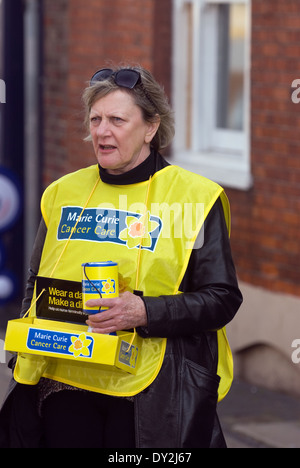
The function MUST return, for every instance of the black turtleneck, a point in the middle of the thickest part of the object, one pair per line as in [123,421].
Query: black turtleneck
[141,173]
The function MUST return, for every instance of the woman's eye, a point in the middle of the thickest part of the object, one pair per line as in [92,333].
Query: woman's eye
[117,119]
[95,119]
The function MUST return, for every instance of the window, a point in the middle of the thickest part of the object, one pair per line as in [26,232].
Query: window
[230,66]
[212,89]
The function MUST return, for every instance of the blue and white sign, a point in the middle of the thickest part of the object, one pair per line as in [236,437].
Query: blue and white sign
[68,344]
[8,286]
[105,286]
[10,210]
[126,228]
[10,200]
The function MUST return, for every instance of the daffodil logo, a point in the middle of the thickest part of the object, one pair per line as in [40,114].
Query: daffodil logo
[108,286]
[80,346]
[138,231]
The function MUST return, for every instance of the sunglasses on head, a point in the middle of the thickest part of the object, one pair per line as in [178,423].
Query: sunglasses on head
[126,78]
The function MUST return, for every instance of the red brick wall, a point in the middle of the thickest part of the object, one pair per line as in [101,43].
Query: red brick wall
[80,37]
[266,220]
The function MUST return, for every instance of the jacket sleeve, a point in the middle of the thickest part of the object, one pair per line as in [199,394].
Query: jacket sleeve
[34,266]
[211,296]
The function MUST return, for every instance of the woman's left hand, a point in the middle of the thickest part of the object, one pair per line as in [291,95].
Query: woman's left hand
[123,313]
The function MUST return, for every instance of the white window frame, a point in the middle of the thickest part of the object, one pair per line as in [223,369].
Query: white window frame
[220,155]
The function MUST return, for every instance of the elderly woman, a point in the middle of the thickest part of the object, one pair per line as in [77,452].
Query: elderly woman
[178,284]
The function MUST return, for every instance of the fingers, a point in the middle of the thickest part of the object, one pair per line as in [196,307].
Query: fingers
[122,313]
[106,321]
[102,302]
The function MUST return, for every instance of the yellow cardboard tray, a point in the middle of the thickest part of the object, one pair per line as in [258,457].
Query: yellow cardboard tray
[71,341]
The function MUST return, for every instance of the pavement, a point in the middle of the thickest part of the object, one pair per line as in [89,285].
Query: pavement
[255,417]
[251,416]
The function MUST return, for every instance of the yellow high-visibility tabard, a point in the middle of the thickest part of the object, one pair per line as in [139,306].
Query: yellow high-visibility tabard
[149,229]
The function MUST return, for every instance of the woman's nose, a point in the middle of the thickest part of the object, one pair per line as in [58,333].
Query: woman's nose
[103,129]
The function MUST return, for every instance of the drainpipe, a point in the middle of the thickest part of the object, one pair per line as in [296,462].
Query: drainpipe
[32,87]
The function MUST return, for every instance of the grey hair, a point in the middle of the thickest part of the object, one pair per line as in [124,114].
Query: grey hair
[150,87]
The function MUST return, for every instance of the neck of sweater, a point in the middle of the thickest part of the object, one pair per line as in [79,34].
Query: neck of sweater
[140,173]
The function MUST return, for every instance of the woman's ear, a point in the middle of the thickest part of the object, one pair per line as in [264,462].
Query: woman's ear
[152,129]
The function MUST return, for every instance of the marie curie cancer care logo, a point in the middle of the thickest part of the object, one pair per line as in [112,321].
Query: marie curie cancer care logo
[120,227]
[2,92]
[132,229]
[68,344]
[106,286]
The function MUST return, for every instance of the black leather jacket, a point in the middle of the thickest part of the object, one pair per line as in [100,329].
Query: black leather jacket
[178,410]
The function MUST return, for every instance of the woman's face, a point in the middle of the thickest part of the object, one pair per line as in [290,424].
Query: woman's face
[121,137]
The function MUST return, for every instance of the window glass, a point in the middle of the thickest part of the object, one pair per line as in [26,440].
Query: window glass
[231,65]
